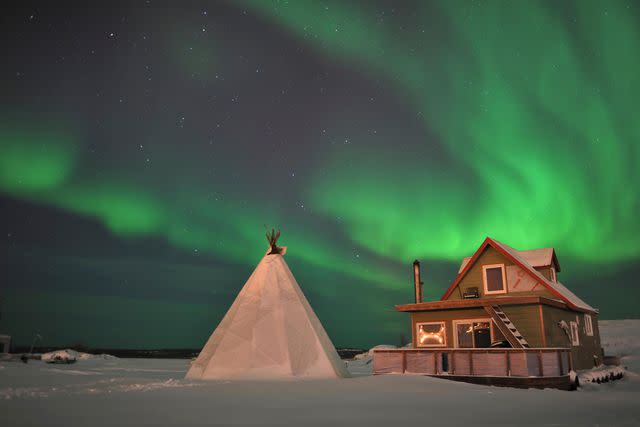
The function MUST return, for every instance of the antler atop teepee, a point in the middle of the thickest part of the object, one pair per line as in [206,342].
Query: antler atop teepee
[272,237]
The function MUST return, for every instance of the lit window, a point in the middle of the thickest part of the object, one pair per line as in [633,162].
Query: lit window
[431,334]
[588,326]
[575,339]
[473,333]
[494,279]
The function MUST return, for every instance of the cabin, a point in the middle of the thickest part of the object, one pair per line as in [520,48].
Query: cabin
[506,315]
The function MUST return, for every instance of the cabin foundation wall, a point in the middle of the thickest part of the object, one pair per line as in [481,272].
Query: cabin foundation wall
[490,366]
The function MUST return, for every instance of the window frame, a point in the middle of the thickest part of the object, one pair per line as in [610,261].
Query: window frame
[588,325]
[573,327]
[484,279]
[439,322]
[457,322]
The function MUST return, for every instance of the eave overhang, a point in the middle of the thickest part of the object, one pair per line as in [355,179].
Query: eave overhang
[480,302]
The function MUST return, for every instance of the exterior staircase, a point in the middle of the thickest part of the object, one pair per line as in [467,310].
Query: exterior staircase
[506,326]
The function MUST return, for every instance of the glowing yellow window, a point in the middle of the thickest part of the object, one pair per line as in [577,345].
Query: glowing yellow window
[431,334]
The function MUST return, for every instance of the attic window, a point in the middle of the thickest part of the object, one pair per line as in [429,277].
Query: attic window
[431,334]
[494,279]
[553,274]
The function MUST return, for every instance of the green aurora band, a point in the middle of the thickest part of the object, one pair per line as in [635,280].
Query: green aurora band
[534,103]
[535,136]
[42,166]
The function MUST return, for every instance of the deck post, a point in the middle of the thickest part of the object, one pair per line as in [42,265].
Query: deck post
[452,363]
[540,363]
[470,362]
[404,361]
[507,362]
[435,362]
[570,360]
[560,362]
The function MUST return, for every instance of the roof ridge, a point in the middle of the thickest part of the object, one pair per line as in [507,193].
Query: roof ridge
[560,291]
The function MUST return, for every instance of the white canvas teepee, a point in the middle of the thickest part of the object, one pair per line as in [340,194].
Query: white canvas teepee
[270,331]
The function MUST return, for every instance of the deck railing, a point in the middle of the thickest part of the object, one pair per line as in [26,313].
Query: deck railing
[517,362]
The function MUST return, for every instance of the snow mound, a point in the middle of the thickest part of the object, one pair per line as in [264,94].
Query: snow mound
[60,356]
[601,375]
[381,347]
[367,355]
[89,356]
[68,355]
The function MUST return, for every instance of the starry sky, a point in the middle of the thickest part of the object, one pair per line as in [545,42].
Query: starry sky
[146,145]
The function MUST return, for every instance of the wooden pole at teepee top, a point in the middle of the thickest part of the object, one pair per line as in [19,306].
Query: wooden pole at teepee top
[272,237]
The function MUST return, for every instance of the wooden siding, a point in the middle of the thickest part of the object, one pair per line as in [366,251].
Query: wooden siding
[583,354]
[448,316]
[545,271]
[473,278]
[527,319]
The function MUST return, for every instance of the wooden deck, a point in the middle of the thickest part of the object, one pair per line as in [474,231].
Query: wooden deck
[511,367]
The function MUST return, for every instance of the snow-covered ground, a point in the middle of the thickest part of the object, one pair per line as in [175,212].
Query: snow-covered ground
[114,392]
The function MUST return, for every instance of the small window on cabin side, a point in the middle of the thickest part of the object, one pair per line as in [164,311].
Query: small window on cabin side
[588,326]
[575,339]
[494,279]
[431,334]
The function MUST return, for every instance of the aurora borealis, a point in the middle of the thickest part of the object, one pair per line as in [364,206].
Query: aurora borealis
[144,148]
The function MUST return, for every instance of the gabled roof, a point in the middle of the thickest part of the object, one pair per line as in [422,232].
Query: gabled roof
[544,257]
[556,288]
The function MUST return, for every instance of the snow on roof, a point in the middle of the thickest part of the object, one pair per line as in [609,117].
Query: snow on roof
[556,286]
[575,300]
[538,257]
[535,258]
[464,263]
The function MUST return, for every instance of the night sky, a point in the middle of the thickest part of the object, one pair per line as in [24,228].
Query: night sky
[144,147]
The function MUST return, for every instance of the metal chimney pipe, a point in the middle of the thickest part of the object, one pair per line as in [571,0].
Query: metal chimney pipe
[417,284]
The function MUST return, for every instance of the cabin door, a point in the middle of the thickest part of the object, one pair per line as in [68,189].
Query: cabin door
[482,335]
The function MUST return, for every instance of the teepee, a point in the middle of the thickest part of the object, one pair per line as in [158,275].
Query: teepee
[270,331]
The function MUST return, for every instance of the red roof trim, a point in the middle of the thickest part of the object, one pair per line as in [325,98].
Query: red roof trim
[476,255]
[466,268]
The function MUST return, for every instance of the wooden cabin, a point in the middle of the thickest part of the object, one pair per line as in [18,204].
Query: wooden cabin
[506,314]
